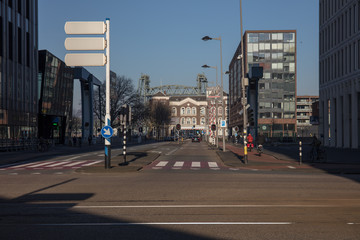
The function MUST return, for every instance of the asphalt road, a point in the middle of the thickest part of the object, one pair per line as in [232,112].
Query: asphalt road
[168,203]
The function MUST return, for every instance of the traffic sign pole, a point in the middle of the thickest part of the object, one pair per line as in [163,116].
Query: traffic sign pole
[92,59]
[107,83]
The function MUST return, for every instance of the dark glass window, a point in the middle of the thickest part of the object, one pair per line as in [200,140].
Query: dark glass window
[19,46]
[1,37]
[27,9]
[19,6]
[10,41]
[27,49]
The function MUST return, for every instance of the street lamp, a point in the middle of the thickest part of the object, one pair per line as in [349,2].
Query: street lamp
[216,106]
[206,38]
[243,85]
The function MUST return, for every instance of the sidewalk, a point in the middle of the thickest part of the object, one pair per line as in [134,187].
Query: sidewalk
[286,158]
[57,150]
[274,158]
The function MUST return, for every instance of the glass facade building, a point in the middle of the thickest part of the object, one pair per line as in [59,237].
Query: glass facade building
[275,107]
[56,85]
[18,70]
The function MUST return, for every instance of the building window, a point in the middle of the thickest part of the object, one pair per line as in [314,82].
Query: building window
[188,121]
[188,110]
[182,112]
[202,122]
[182,121]
[193,121]
[174,111]
[193,111]
[202,111]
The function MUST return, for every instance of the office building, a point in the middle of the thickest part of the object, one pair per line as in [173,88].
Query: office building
[18,71]
[273,97]
[339,73]
[56,84]
[306,117]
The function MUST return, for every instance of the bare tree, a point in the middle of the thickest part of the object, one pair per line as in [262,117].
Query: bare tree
[160,115]
[76,123]
[121,92]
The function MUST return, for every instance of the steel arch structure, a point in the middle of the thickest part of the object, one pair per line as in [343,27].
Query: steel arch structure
[145,91]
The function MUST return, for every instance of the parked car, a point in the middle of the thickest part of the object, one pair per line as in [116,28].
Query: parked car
[195,139]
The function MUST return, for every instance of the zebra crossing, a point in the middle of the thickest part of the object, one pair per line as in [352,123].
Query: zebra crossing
[47,165]
[183,165]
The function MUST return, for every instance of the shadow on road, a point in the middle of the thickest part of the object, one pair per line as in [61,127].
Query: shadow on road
[38,215]
[342,162]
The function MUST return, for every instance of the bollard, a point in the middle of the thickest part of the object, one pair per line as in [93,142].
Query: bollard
[124,144]
[300,153]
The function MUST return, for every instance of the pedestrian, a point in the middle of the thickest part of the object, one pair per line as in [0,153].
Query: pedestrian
[250,140]
[315,147]
[89,139]
[74,141]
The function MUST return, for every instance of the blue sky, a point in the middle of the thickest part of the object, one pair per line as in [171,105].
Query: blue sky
[162,38]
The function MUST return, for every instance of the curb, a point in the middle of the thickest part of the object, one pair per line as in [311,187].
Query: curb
[135,161]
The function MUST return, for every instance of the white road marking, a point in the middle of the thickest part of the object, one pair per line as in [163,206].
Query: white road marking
[213,166]
[73,164]
[171,152]
[89,164]
[41,164]
[163,223]
[57,164]
[209,206]
[16,166]
[291,167]
[195,164]
[178,165]
[73,158]
[162,164]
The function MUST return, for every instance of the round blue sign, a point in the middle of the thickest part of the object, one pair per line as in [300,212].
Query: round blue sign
[107,132]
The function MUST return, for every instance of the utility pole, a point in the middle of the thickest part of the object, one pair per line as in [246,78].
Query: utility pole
[243,86]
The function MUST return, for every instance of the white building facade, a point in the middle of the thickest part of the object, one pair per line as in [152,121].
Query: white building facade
[339,73]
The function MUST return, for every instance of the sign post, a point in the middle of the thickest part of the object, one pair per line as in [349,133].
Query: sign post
[107,92]
[92,59]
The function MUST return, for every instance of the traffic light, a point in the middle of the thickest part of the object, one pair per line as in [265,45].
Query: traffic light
[250,115]
[125,114]
[213,127]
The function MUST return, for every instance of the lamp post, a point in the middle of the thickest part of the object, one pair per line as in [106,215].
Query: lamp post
[216,104]
[243,99]
[206,38]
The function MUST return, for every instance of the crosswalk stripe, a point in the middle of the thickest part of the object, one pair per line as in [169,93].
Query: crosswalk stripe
[213,165]
[92,163]
[57,164]
[162,164]
[74,163]
[41,164]
[195,164]
[23,165]
[179,164]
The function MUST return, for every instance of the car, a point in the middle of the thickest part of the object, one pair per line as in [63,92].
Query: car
[195,139]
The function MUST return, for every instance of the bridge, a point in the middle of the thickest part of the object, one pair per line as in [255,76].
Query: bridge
[145,91]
